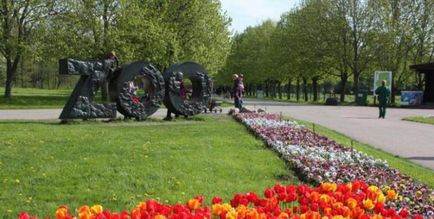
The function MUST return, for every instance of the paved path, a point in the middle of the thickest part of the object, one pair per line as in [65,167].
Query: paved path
[410,140]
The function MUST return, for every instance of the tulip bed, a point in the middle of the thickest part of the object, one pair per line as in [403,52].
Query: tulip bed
[318,159]
[348,200]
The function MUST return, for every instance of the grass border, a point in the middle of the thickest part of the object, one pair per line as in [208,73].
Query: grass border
[420,119]
[405,166]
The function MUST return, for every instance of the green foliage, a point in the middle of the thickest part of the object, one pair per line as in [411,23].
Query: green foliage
[250,55]
[338,40]
[120,164]
[162,32]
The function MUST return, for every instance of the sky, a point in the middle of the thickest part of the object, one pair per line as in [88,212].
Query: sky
[246,13]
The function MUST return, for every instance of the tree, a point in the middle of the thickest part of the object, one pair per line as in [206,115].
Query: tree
[422,34]
[250,55]
[392,37]
[201,30]
[338,39]
[359,18]
[305,29]
[19,20]
[162,32]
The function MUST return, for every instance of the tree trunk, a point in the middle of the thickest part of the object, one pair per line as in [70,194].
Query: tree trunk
[266,88]
[392,90]
[8,84]
[279,89]
[58,82]
[11,69]
[48,79]
[306,98]
[274,89]
[288,90]
[344,80]
[298,90]
[22,72]
[315,88]
[324,93]
[356,85]
[41,80]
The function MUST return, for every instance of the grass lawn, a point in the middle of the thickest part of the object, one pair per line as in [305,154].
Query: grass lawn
[405,166]
[45,164]
[427,120]
[349,100]
[32,98]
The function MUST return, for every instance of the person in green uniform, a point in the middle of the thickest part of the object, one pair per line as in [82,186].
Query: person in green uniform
[383,94]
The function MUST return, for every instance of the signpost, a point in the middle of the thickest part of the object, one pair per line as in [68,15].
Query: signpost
[259,93]
[381,76]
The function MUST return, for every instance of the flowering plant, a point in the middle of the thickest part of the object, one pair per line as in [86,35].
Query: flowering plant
[348,200]
[319,159]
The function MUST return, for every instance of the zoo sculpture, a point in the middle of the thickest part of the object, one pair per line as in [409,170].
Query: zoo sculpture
[125,84]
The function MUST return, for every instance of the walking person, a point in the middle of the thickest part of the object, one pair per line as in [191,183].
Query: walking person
[236,92]
[383,94]
[241,89]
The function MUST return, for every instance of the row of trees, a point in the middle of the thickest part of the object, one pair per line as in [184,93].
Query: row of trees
[35,34]
[342,40]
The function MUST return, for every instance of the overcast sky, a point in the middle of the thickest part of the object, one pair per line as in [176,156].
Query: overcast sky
[246,13]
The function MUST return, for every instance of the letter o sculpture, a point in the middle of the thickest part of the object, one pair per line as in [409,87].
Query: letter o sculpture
[130,104]
[201,89]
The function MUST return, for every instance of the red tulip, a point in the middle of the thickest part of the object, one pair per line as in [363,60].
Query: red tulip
[279,188]
[404,213]
[24,215]
[304,208]
[391,212]
[217,200]
[314,207]
[269,193]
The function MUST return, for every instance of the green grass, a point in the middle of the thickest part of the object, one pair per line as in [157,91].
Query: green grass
[227,104]
[44,164]
[426,120]
[405,166]
[32,98]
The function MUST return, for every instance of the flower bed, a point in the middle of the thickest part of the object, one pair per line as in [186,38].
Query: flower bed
[348,200]
[318,159]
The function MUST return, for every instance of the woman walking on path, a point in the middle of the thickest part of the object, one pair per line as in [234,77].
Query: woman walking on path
[383,98]
[236,92]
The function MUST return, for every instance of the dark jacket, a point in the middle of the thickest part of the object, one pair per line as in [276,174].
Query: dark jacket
[383,95]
